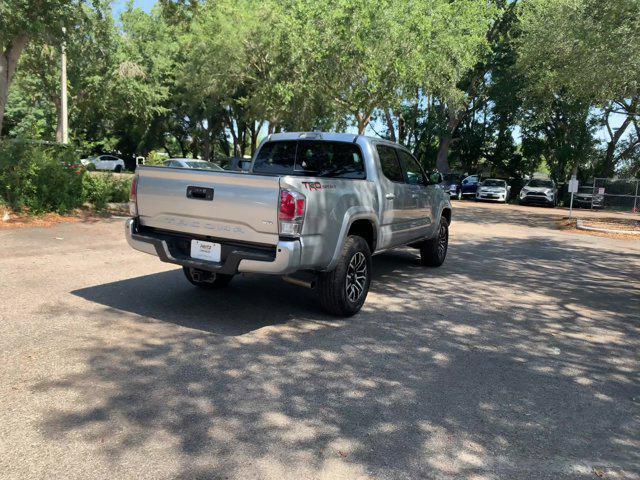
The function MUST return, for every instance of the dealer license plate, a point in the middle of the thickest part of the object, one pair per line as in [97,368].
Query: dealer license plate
[205,250]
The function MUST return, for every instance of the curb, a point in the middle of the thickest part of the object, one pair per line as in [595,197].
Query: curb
[582,226]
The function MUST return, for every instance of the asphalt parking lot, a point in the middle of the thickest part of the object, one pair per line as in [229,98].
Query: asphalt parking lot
[518,359]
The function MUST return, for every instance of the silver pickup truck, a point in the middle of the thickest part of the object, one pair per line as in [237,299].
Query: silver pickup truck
[313,208]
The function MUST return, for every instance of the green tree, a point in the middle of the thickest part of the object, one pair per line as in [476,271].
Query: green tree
[26,21]
[91,46]
[589,50]
[445,67]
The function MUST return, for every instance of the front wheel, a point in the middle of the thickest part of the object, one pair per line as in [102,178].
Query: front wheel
[344,289]
[118,169]
[205,279]
[434,251]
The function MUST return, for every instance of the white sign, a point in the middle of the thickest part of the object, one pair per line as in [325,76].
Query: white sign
[573,185]
[601,191]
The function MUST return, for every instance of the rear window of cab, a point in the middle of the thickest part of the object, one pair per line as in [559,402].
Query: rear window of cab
[316,158]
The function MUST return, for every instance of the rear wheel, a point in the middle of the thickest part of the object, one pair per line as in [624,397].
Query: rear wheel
[434,251]
[118,168]
[205,279]
[344,289]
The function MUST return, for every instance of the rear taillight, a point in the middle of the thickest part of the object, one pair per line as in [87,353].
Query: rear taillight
[291,213]
[133,197]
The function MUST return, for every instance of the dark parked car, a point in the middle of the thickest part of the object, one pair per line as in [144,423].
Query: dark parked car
[585,198]
[470,186]
[452,183]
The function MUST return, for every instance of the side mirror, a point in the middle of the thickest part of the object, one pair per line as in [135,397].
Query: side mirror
[464,182]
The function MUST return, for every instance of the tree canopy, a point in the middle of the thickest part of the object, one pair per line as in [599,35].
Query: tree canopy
[502,86]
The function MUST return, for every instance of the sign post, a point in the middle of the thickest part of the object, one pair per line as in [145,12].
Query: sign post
[573,188]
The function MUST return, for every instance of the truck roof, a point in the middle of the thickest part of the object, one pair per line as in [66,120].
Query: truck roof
[335,137]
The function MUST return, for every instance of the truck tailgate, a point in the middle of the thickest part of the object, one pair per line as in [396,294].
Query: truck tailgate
[223,205]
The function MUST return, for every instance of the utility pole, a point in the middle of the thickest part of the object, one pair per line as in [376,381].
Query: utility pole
[63,93]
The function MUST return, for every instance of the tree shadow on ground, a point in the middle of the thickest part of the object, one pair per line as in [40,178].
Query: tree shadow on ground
[505,362]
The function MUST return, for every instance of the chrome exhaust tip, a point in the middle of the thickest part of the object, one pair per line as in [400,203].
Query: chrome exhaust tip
[299,282]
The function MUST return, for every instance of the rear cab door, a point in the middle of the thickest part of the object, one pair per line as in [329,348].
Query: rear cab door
[422,195]
[398,204]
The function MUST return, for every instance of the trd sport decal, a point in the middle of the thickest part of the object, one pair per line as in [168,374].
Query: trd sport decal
[317,185]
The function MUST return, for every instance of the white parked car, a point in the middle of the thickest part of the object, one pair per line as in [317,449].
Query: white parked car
[493,189]
[191,163]
[105,162]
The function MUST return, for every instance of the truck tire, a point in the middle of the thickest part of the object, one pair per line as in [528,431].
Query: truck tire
[344,289]
[204,279]
[434,251]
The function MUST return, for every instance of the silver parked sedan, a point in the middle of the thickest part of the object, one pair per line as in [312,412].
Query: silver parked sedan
[493,189]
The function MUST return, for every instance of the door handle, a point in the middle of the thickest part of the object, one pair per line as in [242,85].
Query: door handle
[389,196]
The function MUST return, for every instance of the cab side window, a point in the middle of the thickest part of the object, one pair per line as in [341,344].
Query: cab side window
[389,163]
[413,172]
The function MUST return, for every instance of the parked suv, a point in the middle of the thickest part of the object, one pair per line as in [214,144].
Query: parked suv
[539,192]
[470,186]
[452,183]
[318,204]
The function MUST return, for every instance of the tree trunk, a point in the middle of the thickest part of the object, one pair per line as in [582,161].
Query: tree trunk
[390,126]
[609,164]
[224,144]
[402,130]
[234,136]
[8,63]
[442,160]
[242,132]
[255,131]
[363,120]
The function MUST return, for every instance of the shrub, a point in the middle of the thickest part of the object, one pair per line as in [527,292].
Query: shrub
[39,178]
[155,158]
[102,188]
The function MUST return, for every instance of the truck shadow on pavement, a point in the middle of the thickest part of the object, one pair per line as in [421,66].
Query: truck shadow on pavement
[504,362]
[249,303]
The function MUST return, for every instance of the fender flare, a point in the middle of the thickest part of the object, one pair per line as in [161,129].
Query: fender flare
[350,216]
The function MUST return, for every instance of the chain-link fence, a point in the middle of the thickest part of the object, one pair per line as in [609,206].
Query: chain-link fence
[612,194]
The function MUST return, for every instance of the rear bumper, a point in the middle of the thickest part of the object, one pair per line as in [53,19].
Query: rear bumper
[282,259]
